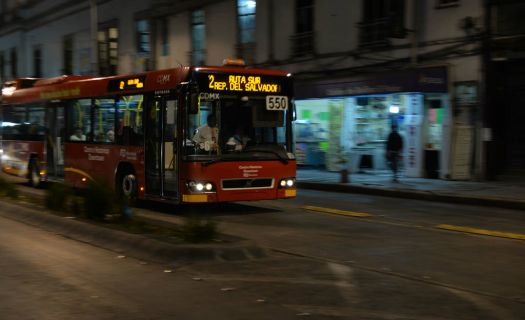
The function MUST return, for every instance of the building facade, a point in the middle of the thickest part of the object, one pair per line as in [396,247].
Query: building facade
[360,66]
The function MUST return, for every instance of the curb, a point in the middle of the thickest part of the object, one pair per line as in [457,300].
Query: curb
[134,245]
[413,194]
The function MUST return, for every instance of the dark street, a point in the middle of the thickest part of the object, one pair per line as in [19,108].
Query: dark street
[393,264]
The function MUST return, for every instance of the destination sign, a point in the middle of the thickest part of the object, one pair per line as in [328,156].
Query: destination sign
[224,82]
[132,83]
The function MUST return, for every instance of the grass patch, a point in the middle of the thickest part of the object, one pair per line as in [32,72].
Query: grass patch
[58,196]
[197,230]
[8,189]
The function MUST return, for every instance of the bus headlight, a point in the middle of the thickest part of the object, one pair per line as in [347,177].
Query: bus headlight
[287,183]
[200,186]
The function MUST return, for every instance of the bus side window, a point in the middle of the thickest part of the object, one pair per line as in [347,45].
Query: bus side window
[129,128]
[79,124]
[104,120]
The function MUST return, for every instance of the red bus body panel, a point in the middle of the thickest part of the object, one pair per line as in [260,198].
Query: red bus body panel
[219,171]
[16,156]
[99,162]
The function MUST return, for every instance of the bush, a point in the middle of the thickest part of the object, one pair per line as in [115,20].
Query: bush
[57,196]
[8,189]
[196,229]
[100,201]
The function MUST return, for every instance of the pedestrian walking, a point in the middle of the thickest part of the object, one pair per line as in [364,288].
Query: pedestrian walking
[394,146]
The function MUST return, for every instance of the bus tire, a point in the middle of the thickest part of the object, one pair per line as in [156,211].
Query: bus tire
[127,185]
[33,173]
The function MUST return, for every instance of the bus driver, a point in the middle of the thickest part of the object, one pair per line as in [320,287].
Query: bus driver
[206,135]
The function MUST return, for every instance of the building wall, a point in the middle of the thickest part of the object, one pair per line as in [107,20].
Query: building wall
[337,54]
[221,35]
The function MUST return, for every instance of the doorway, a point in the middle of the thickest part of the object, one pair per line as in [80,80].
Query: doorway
[161,161]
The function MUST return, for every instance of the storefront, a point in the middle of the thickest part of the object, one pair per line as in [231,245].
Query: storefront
[347,122]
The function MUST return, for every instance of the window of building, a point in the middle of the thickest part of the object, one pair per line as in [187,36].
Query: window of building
[246,20]
[446,3]
[67,55]
[304,27]
[164,36]
[37,62]
[198,37]
[143,40]
[382,19]
[14,63]
[143,36]
[108,50]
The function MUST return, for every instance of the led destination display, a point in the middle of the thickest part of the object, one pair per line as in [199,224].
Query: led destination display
[240,83]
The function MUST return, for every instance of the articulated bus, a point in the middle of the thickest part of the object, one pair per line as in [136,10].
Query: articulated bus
[143,133]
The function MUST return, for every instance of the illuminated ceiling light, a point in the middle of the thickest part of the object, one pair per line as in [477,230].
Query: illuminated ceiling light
[394,109]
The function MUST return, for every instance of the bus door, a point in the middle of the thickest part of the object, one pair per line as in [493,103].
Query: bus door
[55,141]
[161,148]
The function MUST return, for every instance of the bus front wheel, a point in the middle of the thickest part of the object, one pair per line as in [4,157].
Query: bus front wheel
[127,185]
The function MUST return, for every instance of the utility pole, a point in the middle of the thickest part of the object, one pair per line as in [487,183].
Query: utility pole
[413,34]
[94,33]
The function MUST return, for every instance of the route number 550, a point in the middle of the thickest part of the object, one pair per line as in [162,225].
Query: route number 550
[276,103]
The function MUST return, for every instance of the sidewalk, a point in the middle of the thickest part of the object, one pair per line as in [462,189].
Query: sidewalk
[493,193]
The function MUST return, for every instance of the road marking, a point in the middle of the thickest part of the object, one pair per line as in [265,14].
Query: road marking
[484,232]
[337,211]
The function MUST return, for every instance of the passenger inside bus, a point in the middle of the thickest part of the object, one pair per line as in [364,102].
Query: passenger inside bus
[78,135]
[238,141]
[110,136]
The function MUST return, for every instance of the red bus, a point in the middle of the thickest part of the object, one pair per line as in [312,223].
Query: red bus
[148,134]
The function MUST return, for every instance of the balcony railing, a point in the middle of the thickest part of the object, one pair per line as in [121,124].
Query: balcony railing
[303,44]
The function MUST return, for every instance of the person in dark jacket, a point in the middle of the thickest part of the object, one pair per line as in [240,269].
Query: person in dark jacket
[394,146]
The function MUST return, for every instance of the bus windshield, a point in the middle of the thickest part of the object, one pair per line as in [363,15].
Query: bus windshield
[237,127]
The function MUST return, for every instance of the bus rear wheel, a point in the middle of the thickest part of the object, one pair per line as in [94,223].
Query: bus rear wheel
[33,174]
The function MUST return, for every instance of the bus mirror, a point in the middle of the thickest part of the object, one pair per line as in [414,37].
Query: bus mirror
[193,107]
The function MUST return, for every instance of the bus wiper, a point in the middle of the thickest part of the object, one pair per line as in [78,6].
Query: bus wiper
[281,158]
[207,163]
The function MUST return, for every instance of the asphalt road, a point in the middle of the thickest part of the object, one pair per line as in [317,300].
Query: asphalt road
[394,263]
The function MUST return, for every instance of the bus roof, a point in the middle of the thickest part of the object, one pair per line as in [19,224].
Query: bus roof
[26,90]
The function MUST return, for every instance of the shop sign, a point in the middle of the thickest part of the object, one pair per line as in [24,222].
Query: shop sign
[433,79]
